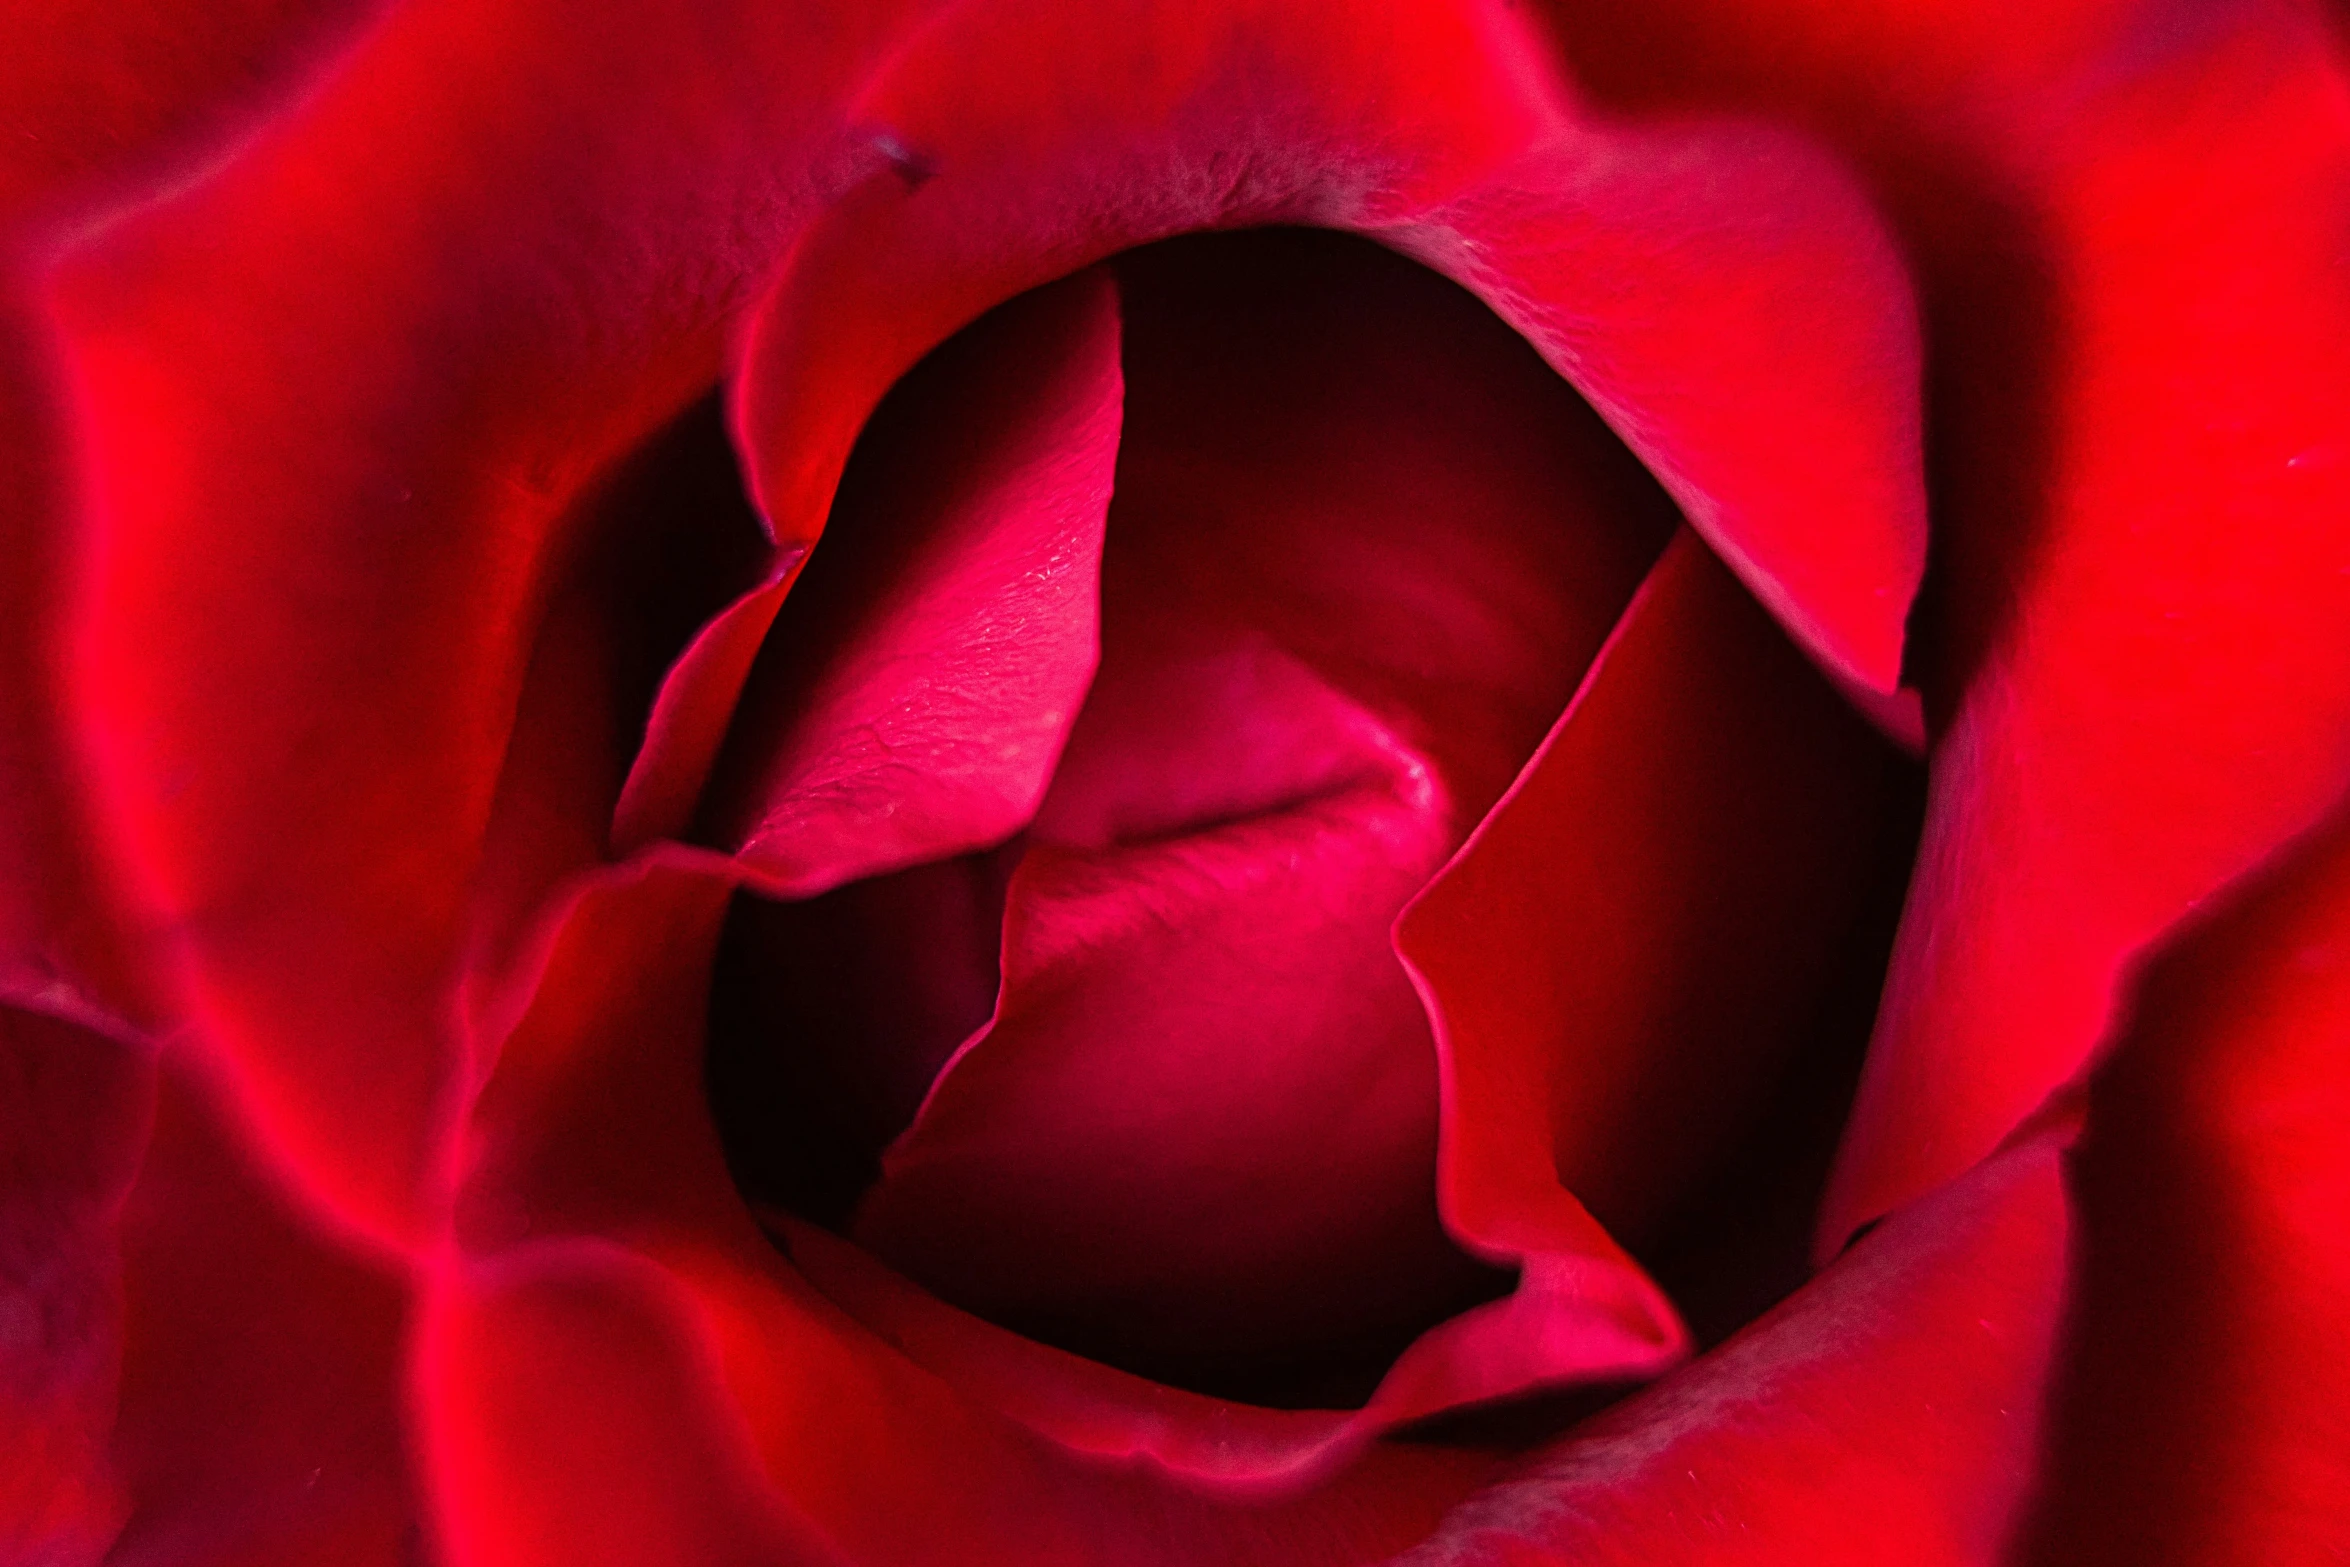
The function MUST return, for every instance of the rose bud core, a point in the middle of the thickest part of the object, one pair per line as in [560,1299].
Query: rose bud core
[1254,783]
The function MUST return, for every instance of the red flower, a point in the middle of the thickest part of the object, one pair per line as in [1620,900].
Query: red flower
[1232,926]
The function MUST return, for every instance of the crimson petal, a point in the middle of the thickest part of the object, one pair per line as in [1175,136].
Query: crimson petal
[2148,684]
[1444,131]
[2200,1414]
[396,373]
[1887,1412]
[1636,939]
[618,1337]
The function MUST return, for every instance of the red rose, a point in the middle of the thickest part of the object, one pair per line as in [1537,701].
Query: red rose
[749,816]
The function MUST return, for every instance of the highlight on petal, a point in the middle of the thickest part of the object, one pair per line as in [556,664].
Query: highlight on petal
[573,1413]
[2199,1415]
[1710,288]
[913,700]
[398,374]
[2142,656]
[1639,938]
[1889,1411]
[1728,301]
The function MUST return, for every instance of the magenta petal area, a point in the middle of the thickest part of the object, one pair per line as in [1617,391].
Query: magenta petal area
[1888,1412]
[1349,580]
[1649,933]
[912,701]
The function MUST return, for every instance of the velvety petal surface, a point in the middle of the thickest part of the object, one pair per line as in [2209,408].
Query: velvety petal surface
[1349,580]
[1670,274]
[2162,700]
[1887,1412]
[621,1359]
[73,1113]
[396,338]
[2200,1415]
[259,1422]
[912,701]
[2123,218]
[1640,937]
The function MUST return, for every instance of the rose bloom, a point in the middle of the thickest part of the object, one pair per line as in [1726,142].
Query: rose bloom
[1174,781]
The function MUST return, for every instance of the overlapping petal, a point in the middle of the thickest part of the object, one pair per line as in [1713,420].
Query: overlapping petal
[1670,275]
[612,1271]
[2199,1412]
[913,701]
[2147,681]
[1640,937]
[337,407]
[1890,1411]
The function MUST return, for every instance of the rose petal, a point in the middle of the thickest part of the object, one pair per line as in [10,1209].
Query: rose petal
[1731,305]
[62,951]
[105,101]
[1638,938]
[2145,703]
[2200,1416]
[1444,130]
[912,701]
[1349,579]
[573,1413]
[396,373]
[73,1110]
[622,1327]
[260,1420]
[1887,1412]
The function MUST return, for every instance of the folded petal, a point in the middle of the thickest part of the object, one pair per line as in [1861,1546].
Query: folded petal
[621,1349]
[1640,938]
[396,338]
[1888,1411]
[2142,653]
[2200,1415]
[1349,578]
[915,695]
[1684,278]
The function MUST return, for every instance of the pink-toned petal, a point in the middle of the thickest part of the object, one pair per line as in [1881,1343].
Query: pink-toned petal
[2204,1410]
[1198,1134]
[2148,681]
[1639,938]
[1349,581]
[1889,1411]
[620,1314]
[1688,278]
[914,697]
[260,1420]
[396,338]
[73,1110]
